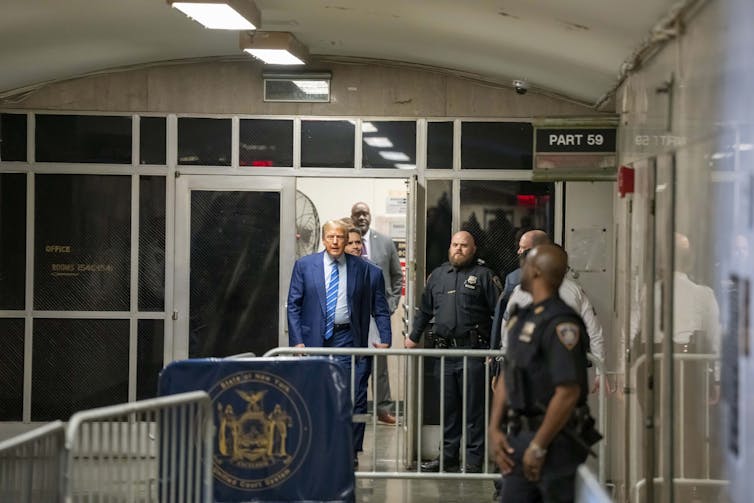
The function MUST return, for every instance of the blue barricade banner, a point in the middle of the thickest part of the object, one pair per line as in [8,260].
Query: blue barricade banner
[283,426]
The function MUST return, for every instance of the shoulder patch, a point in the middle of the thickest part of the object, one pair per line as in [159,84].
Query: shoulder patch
[568,333]
[497,283]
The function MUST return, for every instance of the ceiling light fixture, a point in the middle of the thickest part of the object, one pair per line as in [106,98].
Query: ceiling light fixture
[394,156]
[378,142]
[274,47]
[221,14]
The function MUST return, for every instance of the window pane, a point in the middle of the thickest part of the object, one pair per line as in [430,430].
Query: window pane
[78,364]
[439,221]
[266,142]
[11,369]
[152,243]
[82,254]
[440,145]
[152,140]
[496,145]
[494,211]
[83,138]
[389,144]
[149,357]
[12,240]
[327,144]
[235,264]
[204,142]
[12,137]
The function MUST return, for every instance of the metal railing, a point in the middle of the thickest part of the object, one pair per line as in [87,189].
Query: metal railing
[152,450]
[681,395]
[30,465]
[407,441]
[147,451]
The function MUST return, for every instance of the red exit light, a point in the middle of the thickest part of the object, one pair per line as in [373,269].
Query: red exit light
[530,200]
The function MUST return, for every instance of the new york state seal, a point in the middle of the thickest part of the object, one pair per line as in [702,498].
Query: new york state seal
[263,430]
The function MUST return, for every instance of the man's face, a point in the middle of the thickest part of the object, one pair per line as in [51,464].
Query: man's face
[334,240]
[462,249]
[527,271]
[524,244]
[361,216]
[354,244]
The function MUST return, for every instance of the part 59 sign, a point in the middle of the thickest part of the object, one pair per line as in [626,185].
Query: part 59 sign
[576,140]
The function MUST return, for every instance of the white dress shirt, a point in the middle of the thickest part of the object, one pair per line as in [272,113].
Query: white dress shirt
[573,295]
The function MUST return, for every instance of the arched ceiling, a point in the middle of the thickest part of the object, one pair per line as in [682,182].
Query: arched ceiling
[571,48]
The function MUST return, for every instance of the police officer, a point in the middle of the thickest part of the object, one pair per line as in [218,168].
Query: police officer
[542,391]
[461,296]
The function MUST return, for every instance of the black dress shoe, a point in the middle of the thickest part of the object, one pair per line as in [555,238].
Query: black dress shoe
[434,466]
[473,468]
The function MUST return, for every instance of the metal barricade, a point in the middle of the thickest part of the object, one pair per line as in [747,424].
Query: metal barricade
[406,435]
[30,465]
[152,450]
[682,393]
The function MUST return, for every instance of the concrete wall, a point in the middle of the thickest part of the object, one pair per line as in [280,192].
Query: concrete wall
[235,87]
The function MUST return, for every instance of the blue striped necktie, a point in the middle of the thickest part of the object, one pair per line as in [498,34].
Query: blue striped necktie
[332,300]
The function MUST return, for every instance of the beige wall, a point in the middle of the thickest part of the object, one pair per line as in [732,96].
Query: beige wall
[235,87]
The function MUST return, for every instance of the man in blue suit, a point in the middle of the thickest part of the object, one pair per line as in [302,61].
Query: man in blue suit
[330,302]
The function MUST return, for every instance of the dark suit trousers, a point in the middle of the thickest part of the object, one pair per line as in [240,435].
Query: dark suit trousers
[344,339]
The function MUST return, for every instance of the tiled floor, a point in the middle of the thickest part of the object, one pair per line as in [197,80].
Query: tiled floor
[370,490]
[421,491]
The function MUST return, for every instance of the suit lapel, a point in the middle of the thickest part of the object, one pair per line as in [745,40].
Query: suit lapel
[375,253]
[319,280]
[351,280]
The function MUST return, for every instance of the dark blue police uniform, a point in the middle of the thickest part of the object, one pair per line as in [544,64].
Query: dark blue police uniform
[461,300]
[547,346]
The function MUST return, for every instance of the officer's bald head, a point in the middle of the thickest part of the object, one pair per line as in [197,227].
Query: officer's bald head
[545,267]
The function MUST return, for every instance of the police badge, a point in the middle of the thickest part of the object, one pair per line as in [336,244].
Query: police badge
[568,333]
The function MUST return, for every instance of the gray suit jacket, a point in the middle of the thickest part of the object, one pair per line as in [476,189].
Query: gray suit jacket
[381,251]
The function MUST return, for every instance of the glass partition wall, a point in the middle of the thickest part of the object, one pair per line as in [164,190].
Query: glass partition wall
[88,225]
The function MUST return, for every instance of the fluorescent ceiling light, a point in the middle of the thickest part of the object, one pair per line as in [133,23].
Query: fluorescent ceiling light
[368,127]
[275,56]
[394,156]
[274,47]
[378,142]
[402,165]
[222,14]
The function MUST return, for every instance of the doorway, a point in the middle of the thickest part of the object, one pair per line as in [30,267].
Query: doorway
[232,264]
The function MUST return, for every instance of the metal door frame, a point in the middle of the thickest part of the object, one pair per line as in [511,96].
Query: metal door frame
[184,184]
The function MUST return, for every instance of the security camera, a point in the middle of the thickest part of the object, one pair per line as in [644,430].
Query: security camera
[521,86]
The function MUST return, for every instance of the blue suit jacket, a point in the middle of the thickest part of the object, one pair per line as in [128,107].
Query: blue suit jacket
[307,305]
[380,307]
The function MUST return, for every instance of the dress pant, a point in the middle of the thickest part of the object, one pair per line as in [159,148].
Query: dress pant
[382,398]
[558,477]
[453,411]
[344,339]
